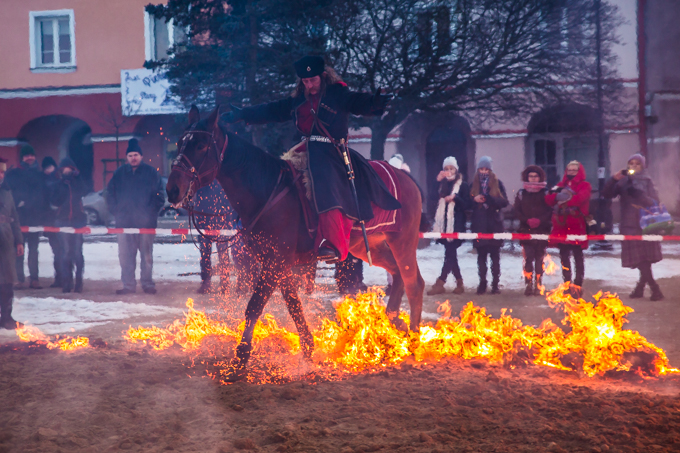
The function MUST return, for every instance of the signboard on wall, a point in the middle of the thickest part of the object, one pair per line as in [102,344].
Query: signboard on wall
[147,92]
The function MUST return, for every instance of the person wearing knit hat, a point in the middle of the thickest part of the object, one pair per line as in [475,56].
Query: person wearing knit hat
[134,196]
[489,197]
[28,189]
[635,189]
[450,217]
[534,216]
[47,162]
[11,245]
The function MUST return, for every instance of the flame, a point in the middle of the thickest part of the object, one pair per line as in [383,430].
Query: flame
[549,266]
[362,337]
[33,334]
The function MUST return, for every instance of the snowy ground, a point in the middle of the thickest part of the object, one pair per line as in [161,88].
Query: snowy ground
[176,265]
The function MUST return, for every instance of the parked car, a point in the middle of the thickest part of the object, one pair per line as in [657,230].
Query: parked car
[94,205]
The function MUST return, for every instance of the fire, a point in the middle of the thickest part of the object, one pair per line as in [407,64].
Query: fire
[33,334]
[549,266]
[362,338]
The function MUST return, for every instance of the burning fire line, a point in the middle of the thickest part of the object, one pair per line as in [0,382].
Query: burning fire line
[364,339]
[33,334]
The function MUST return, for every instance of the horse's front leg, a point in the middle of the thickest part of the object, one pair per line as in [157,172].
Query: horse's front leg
[264,288]
[289,291]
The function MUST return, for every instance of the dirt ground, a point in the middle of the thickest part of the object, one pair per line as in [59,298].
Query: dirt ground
[127,397]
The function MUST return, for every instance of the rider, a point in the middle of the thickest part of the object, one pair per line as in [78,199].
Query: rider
[320,105]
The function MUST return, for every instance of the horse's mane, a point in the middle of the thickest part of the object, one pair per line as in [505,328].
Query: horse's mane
[258,169]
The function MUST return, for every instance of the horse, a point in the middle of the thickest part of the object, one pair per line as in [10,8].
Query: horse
[261,189]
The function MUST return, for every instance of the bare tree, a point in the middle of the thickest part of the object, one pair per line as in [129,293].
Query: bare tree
[493,57]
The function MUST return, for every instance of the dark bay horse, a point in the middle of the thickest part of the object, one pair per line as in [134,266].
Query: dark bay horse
[261,190]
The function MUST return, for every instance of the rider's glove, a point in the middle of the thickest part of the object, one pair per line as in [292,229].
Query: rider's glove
[234,116]
[381,101]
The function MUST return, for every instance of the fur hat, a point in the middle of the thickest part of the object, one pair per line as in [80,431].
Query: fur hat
[450,161]
[133,146]
[485,162]
[309,66]
[27,150]
[533,169]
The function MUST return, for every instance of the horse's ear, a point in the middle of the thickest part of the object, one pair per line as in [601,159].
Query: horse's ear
[194,115]
[214,117]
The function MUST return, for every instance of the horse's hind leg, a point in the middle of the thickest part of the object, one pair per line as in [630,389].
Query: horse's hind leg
[289,291]
[394,302]
[404,251]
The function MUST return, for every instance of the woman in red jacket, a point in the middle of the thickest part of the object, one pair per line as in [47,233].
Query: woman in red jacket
[571,199]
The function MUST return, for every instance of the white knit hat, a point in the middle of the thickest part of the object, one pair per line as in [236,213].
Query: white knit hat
[450,161]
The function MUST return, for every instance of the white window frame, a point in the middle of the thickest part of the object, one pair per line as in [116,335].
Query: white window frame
[150,36]
[34,44]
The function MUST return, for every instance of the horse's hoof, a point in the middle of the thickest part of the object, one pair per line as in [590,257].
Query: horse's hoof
[397,322]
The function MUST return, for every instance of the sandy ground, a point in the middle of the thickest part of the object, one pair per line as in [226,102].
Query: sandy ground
[127,397]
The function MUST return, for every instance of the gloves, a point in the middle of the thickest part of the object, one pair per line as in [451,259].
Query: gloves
[533,222]
[633,192]
[234,116]
[562,197]
[381,101]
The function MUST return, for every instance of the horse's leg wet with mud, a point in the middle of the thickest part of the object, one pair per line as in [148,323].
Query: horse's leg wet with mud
[289,292]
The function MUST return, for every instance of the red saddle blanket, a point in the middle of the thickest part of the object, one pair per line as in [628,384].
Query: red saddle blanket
[382,221]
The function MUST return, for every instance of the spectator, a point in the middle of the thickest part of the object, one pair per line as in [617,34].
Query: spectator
[488,195]
[67,196]
[212,200]
[636,189]
[454,200]
[571,199]
[134,197]
[11,245]
[51,179]
[534,215]
[26,183]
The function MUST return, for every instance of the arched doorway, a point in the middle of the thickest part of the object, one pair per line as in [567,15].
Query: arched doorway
[59,136]
[560,134]
[442,142]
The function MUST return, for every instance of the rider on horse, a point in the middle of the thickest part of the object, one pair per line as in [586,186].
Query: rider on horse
[321,105]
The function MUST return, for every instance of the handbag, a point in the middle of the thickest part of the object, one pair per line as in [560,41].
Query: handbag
[656,220]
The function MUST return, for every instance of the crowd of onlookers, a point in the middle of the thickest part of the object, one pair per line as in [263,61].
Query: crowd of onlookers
[51,195]
[559,210]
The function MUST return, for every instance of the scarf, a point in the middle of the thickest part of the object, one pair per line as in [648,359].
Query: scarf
[534,186]
[484,182]
[443,218]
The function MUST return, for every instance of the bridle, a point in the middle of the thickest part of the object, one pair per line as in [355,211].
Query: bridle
[197,175]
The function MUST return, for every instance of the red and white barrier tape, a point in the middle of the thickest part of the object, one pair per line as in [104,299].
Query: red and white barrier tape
[468,236]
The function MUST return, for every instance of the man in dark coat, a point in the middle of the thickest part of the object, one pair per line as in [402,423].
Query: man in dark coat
[51,178]
[135,196]
[11,245]
[28,191]
[636,190]
[67,196]
[320,107]
[488,196]
[534,216]
[211,199]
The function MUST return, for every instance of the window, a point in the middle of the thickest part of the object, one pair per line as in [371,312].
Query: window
[52,41]
[160,36]
[545,156]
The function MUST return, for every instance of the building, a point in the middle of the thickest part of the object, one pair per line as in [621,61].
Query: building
[60,87]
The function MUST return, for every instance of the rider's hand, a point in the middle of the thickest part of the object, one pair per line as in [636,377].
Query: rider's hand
[381,101]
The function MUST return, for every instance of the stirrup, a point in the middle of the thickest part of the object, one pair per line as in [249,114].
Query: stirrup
[328,254]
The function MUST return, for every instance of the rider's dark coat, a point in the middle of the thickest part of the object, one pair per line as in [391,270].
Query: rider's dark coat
[330,185]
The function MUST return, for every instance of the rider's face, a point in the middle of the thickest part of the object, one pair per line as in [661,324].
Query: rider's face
[312,85]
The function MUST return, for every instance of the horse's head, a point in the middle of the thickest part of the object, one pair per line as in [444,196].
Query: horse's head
[201,150]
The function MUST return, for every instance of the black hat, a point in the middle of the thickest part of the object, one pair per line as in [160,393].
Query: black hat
[309,66]
[26,150]
[47,161]
[133,146]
